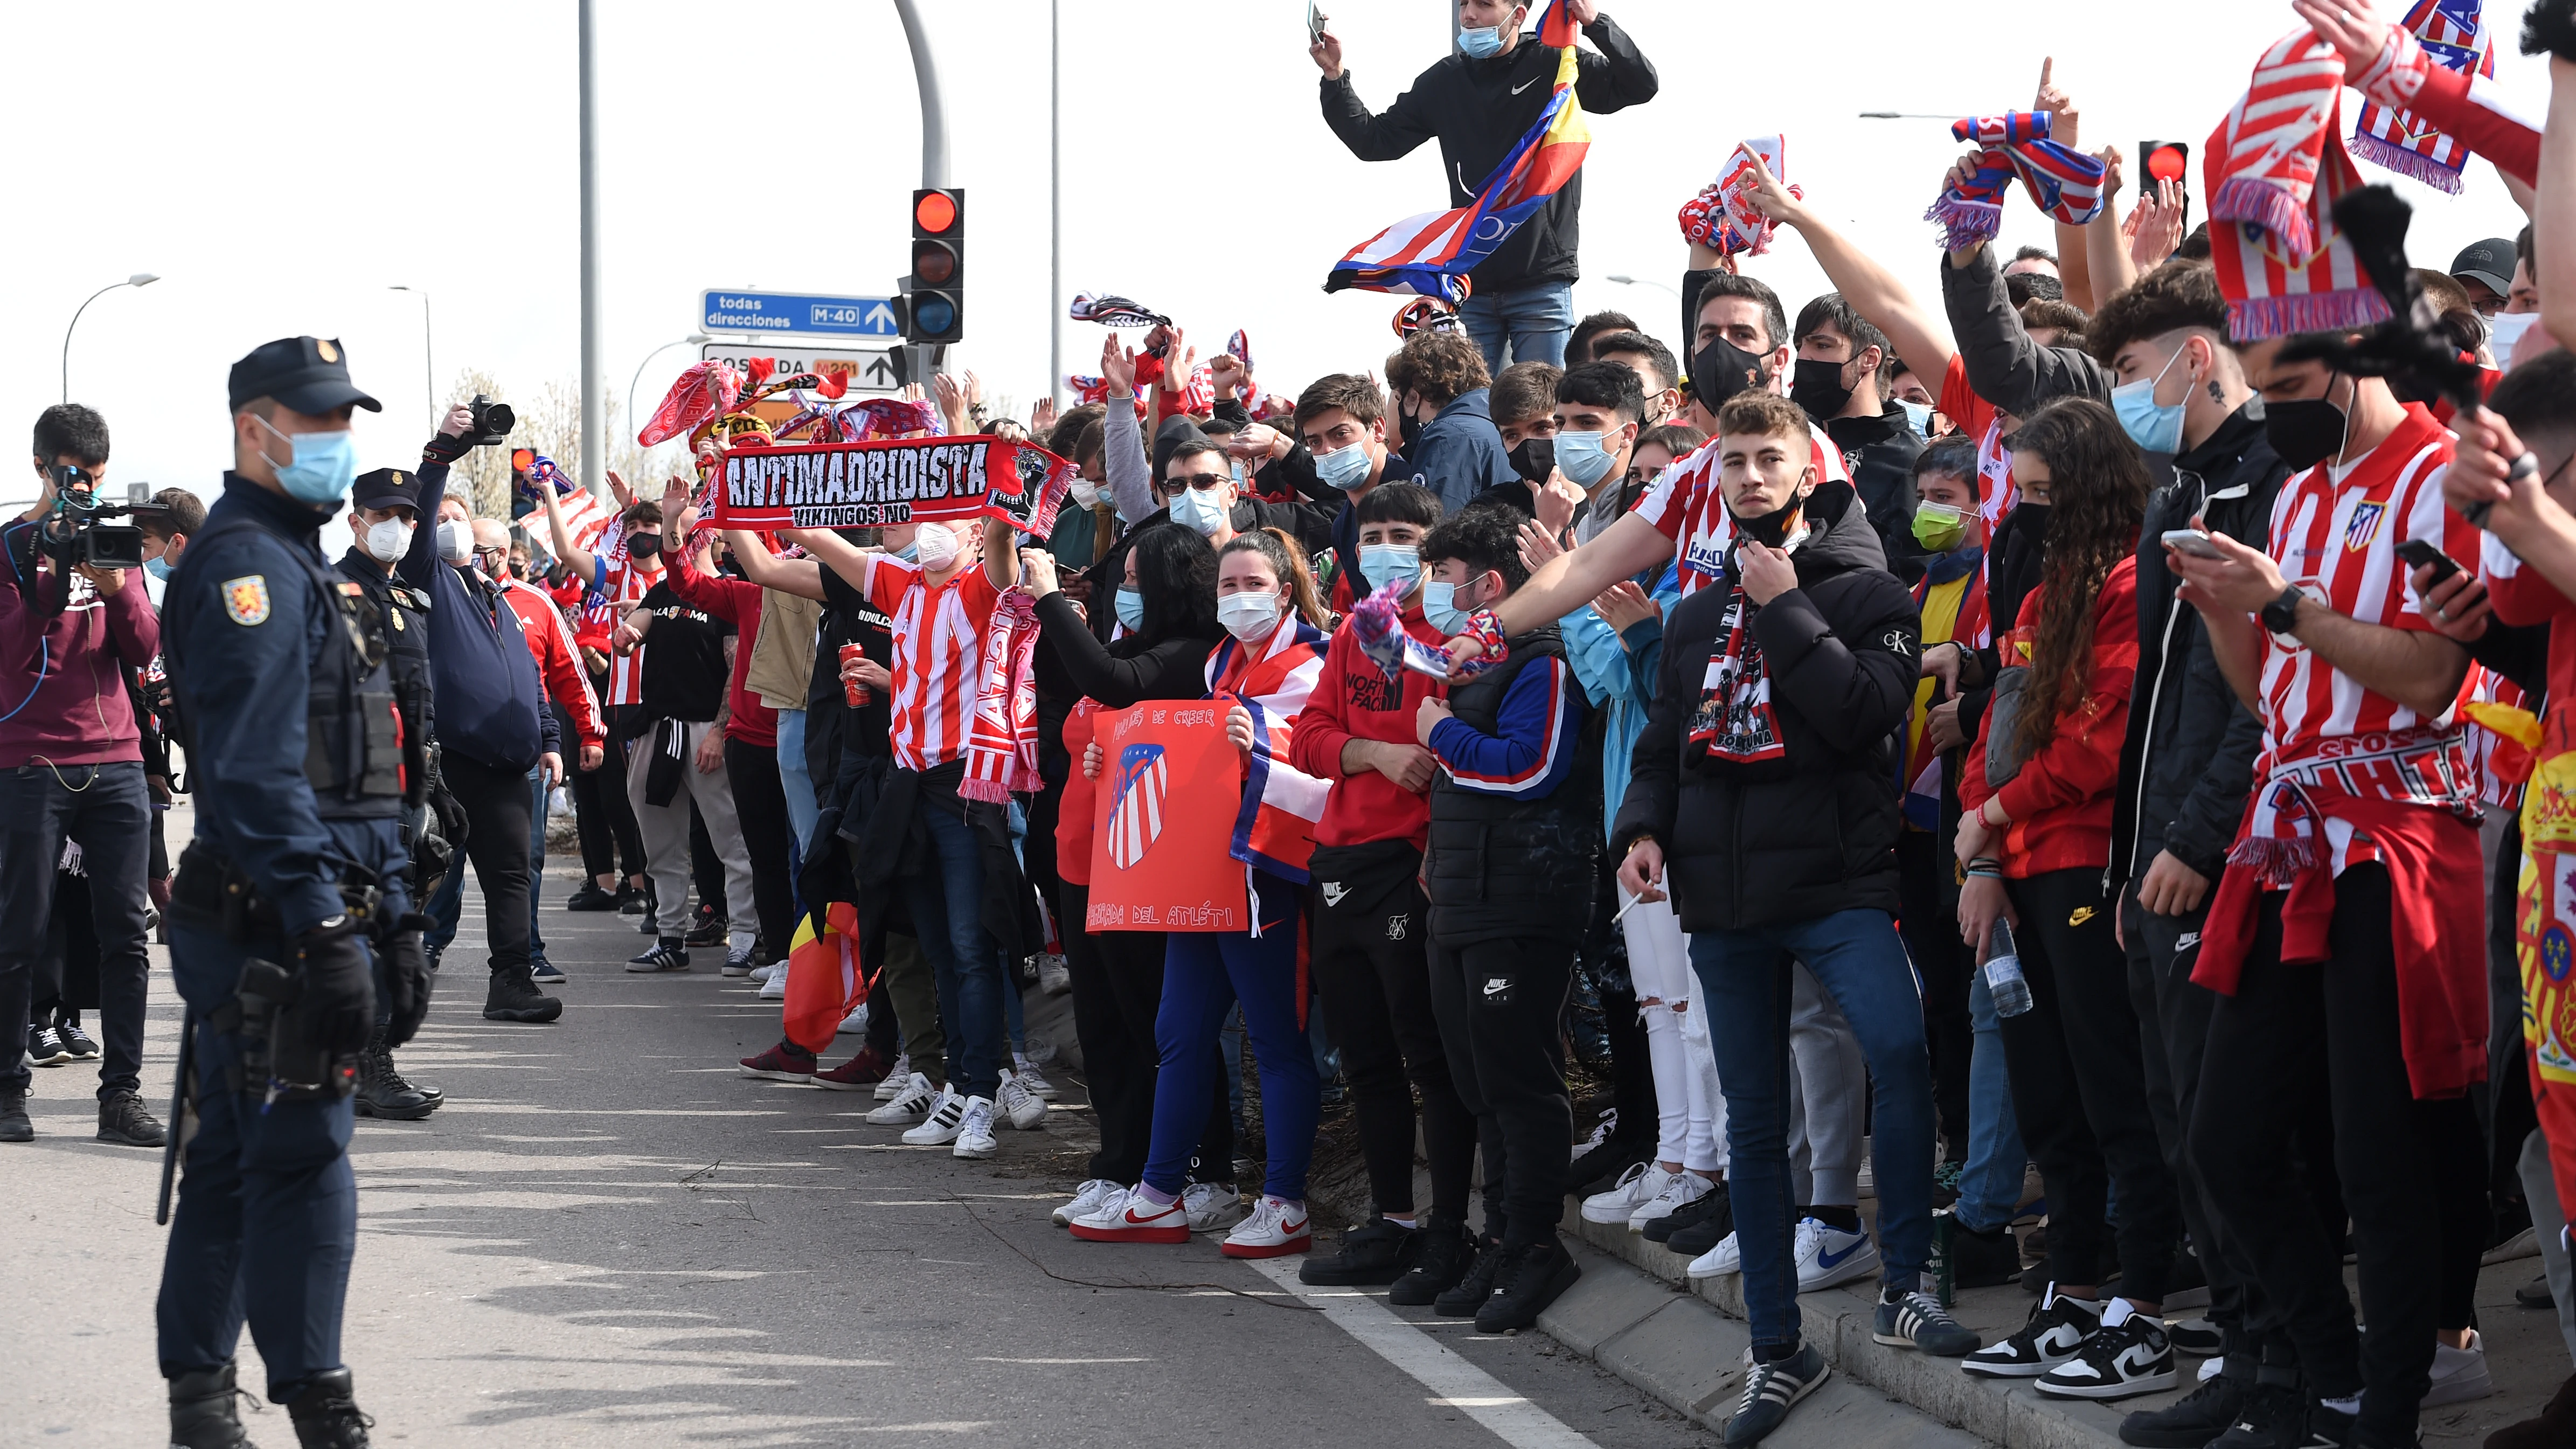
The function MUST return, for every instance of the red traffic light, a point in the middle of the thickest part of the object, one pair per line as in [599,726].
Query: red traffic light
[934,212]
[2166,162]
[522,459]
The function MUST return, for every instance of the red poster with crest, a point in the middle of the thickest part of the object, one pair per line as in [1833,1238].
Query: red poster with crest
[1170,787]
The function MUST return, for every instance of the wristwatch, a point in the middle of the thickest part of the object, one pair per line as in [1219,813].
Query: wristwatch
[2282,614]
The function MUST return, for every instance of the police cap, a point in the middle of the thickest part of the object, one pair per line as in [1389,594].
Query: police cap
[385,488]
[307,374]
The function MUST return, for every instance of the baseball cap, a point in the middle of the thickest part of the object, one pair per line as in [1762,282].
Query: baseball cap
[384,488]
[307,374]
[2489,262]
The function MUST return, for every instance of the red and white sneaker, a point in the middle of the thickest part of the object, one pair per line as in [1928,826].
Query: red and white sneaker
[1276,1228]
[1131,1217]
[784,1062]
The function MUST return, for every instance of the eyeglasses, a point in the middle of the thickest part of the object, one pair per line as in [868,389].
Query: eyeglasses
[1196,480]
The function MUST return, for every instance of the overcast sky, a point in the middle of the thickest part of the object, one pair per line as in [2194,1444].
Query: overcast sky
[282,165]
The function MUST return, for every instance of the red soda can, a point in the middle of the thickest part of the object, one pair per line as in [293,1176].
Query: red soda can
[851,690]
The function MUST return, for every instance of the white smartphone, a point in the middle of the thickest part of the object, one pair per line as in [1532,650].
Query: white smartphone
[1314,24]
[2191,541]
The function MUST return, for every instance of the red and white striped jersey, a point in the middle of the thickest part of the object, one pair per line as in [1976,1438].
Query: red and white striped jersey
[938,654]
[1685,506]
[619,585]
[2336,541]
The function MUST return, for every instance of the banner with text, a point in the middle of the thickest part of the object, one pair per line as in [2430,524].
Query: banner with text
[1170,787]
[907,480]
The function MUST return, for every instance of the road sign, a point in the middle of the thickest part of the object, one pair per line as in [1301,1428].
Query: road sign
[868,371]
[795,312]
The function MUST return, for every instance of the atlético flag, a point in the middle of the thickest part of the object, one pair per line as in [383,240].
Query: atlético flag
[1430,255]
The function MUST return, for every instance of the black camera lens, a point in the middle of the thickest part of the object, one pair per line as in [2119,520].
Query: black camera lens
[499,419]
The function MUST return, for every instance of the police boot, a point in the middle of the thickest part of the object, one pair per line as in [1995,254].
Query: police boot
[382,1092]
[515,997]
[326,1415]
[202,1412]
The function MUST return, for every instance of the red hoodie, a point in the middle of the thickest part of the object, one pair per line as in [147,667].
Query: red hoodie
[737,602]
[65,701]
[558,664]
[1356,701]
[2060,802]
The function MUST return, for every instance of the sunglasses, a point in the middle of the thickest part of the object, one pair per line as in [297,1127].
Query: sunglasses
[1195,480]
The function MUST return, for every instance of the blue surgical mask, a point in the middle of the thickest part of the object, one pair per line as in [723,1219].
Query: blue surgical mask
[1482,42]
[1381,563]
[1440,608]
[2154,429]
[325,464]
[1131,609]
[1918,416]
[1344,468]
[158,568]
[909,553]
[1582,458]
[1200,510]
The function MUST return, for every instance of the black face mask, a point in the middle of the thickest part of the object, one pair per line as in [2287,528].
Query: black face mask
[1407,428]
[1817,386]
[1773,527]
[1722,369]
[1533,459]
[2305,431]
[643,545]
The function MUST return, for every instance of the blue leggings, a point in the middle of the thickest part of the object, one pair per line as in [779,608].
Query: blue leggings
[1203,974]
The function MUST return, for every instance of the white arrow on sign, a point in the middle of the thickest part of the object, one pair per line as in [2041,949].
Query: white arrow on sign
[880,315]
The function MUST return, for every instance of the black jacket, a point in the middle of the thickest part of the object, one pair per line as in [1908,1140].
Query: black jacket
[1503,866]
[1479,110]
[1814,831]
[1879,453]
[2004,366]
[2187,763]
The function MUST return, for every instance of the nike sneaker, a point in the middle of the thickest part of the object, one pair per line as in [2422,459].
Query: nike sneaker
[1827,1255]
[1130,1217]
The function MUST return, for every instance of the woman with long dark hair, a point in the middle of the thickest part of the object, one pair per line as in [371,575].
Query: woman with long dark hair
[1166,607]
[2035,836]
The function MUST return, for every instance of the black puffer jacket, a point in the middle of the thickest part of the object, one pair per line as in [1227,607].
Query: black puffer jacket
[1478,110]
[2187,763]
[1503,866]
[1814,831]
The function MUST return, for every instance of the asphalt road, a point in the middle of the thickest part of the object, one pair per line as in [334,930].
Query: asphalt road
[608,1237]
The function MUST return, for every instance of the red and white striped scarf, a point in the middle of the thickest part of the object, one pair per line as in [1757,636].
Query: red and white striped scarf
[2447,33]
[1002,742]
[2274,169]
[2062,181]
[1723,216]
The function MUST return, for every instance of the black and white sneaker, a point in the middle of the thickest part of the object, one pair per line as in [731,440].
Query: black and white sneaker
[545,972]
[667,955]
[45,1047]
[2058,1327]
[2116,1361]
[1771,1390]
[77,1041]
[2275,1416]
[1918,1321]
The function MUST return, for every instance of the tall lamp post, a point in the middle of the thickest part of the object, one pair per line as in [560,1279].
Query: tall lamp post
[428,355]
[693,337]
[139,279]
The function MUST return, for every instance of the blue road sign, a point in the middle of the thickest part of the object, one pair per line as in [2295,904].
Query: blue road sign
[801,313]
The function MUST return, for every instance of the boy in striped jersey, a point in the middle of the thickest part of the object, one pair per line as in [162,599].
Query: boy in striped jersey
[2346,935]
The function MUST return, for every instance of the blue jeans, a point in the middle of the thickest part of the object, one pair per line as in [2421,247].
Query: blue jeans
[536,860]
[1203,974]
[1745,977]
[1990,1184]
[801,807]
[1535,320]
[967,963]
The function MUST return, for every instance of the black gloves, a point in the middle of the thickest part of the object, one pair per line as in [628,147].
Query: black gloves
[336,1008]
[443,449]
[407,979]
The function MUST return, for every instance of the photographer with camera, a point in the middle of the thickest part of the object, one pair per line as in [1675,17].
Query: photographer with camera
[286,709]
[71,765]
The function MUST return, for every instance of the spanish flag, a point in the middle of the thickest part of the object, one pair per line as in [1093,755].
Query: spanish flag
[1430,255]
[824,979]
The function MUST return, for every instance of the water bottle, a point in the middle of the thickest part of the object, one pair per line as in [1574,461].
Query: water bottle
[2003,974]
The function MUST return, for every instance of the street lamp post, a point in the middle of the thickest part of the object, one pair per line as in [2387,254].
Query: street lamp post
[428,355]
[1627,281]
[139,279]
[648,357]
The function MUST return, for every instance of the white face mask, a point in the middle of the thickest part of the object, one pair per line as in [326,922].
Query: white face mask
[936,546]
[1085,492]
[455,540]
[388,541]
[1249,617]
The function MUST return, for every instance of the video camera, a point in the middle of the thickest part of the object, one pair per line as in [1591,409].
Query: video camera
[76,531]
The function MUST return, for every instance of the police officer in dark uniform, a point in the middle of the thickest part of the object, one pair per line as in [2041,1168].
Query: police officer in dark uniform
[384,512]
[289,912]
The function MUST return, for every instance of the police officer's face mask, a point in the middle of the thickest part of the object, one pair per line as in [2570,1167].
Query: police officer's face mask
[323,466]
[388,541]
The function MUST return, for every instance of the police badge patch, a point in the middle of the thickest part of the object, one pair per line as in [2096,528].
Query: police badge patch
[246,599]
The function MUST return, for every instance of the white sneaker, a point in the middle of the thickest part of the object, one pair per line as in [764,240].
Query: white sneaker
[1053,978]
[1719,1261]
[940,1127]
[1601,1131]
[775,988]
[1827,1255]
[856,1021]
[1087,1199]
[912,1100]
[974,1130]
[761,973]
[1210,1207]
[1635,1188]
[1275,1229]
[1017,1107]
[2459,1374]
[1128,1216]
[897,1078]
[1685,1187]
[1038,1086]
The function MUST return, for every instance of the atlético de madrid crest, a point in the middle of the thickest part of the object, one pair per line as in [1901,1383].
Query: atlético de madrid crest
[1136,809]
[2364,526]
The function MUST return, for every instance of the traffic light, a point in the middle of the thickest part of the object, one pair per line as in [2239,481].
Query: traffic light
[2164,161]
[934,308]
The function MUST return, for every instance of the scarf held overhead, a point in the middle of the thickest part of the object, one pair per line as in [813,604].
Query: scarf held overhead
[2062,181]
[1723,217]
[2274,169]
[2452,35]
[871,484]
